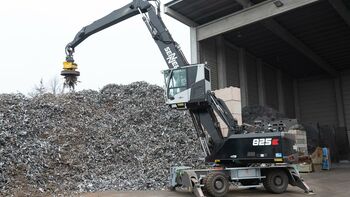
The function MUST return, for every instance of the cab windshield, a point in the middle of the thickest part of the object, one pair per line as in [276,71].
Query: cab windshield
[177,81]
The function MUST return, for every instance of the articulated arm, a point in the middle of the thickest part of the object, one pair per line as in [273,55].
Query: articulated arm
[207,126]
[222,110]
[168,47]
[113,18]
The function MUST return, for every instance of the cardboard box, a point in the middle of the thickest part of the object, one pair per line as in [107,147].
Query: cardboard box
[316,156]
[317,167]
[230,93]
[224,131]
[232,98]
[235,107]
[238,117]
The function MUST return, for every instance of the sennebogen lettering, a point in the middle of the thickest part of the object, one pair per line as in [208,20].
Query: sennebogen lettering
[171,57]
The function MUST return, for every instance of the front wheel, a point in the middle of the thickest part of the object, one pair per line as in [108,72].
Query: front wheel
[276,181]
[216,184]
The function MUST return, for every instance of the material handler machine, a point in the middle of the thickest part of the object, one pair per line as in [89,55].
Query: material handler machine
[243,160]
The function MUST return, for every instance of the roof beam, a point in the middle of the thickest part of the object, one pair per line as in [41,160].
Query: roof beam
[247,16]
[342,9]
[244,3]
[171,3]
[179,17]
[285,35]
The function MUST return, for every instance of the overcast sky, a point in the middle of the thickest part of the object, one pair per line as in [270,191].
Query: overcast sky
[34,34]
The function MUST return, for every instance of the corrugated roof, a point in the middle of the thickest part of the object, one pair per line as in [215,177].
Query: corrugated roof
[318,26]
[264,44]
[321,28]
[204,11]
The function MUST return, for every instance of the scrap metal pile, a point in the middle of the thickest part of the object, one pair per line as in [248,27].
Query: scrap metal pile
[121,138]
[250,114]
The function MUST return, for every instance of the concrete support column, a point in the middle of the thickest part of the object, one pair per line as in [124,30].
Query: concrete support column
[338,88]
[261,88]
[221,61]
[296,99]
[194,46]
[339,102]
[243,83]
[281,102]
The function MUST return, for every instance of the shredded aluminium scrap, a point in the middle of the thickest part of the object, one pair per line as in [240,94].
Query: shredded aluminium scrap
[121,138]
[250,114]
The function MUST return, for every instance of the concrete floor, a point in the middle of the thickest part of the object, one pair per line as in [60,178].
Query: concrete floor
[326,183]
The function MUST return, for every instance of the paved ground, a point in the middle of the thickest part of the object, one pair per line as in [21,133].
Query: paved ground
[327,183]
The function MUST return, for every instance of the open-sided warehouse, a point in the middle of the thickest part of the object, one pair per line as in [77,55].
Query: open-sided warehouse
[291,55]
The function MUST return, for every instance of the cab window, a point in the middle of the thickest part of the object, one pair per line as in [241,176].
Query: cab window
[178,82]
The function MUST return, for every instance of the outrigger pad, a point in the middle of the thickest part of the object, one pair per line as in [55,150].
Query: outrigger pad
[299,182]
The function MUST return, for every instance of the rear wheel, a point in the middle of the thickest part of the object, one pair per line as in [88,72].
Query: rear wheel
[171,188]
[216,184]
[276,181]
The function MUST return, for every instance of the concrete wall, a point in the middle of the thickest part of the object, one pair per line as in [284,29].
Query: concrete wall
[345,87]
[252,79]
[232,66]
[320,100]
[260,83]
[208,54]
[326,101]
[270,86]
[288,96]
[317,101]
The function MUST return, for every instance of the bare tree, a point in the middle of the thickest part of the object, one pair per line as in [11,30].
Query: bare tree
[38,89]
[55,86]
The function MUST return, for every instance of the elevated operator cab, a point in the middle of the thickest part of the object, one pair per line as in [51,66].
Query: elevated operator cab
[187,87]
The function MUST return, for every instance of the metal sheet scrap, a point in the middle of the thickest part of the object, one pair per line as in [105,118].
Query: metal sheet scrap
[122,137]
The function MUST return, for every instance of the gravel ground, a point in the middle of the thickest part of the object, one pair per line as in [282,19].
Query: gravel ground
[325,184]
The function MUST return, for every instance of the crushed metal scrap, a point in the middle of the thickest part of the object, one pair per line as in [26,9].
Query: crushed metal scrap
[250,114]
[121,138]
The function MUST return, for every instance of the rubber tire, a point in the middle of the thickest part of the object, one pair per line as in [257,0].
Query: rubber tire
[270,184]
[209,184]
[172,189]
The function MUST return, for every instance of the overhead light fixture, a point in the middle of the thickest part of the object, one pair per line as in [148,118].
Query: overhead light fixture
[278,3]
